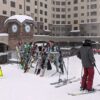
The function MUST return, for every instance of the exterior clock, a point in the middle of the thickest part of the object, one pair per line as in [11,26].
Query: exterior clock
[14,28]
[27,28]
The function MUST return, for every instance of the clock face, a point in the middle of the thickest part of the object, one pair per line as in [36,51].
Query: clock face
[27,28]
[14,28]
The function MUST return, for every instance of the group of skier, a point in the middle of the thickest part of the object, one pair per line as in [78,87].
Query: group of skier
[44,55]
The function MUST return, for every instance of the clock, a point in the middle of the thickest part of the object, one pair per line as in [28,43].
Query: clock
[14,28]
[27,28]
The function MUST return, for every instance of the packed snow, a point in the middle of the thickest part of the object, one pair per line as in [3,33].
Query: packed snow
[17,85]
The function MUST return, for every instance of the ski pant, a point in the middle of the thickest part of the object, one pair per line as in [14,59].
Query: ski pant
[87,79]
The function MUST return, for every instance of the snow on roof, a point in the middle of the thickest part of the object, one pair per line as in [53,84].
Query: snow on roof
[75,31]
[20,18]
[3,34]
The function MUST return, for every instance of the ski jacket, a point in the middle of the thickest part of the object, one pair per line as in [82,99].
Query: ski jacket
[86,55]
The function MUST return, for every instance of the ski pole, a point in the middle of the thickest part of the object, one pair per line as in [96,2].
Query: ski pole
[97,69]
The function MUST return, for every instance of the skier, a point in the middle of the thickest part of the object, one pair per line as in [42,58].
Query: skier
[27,47]
[39,61]
[56,56]
[85,53]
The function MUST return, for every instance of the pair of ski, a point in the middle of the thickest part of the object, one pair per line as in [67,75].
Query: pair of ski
[84,92]
[61,82]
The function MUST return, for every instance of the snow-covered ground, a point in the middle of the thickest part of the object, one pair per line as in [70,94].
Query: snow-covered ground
[16,85]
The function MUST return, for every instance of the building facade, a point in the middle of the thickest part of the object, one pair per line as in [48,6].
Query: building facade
[57,17]
[83,16]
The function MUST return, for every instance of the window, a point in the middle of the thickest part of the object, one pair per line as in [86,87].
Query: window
[93,0]
[41,11]
[28,8]
[63,9]
[94,13]
[12,13]
[88,20]
[4,12]
[87,6]
[35,18]
[69,3]
[94,27]
[87,0]
[69,16]
[35,2]
[69,9]
[82,0]
[75,21]
[75,1]
[63,16]
[57,16]
[69,22]
[53,15]
[88,13]
[57,22]
[63,3]
[12,4]
[41,19]
[45,27]
[82,21]
[93,6]
[41,4]
[45,20]
[20,6]
[35,10]
[82,14]
[93,20]
[41,27]
[45,13]
[53,9]
[58,9]
[27,0]
[53,2]
[53,22]
[82,7]
[63,22]
[45,5]
[75,8]
[75,15]
[75,28]
[57,3]
[4,1]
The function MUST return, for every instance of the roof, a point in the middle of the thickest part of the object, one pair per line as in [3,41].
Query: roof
[3,34]
[20,18]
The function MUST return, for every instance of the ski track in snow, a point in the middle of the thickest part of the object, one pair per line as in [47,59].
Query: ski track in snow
[16,85]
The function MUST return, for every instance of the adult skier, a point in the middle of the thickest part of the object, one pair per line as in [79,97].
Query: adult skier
[85,53]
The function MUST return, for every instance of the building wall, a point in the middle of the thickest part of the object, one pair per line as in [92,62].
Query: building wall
[83,13]
[56,15]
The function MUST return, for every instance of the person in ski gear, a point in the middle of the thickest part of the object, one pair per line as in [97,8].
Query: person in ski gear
[55,56]
[85,53]
[27,55]
[40,61]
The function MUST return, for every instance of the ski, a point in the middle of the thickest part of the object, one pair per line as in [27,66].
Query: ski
[83,92]
[60,81]
[67,82]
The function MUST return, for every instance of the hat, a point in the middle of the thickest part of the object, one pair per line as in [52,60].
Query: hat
[87,42]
